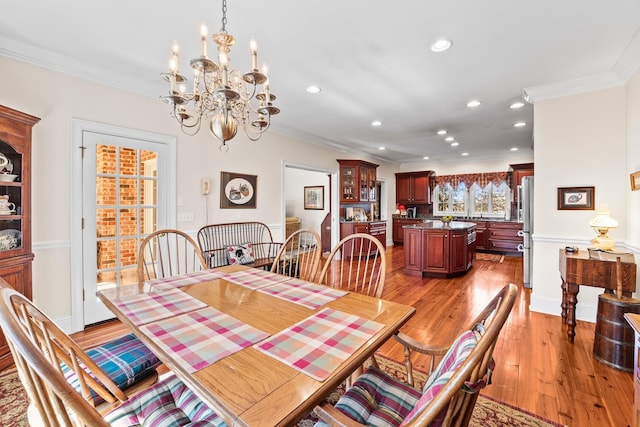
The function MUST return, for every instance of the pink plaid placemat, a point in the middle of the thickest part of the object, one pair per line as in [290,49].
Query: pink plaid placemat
[156,304]
[199,338]
[304,293]
[187,279]
[254,278]
[319,343]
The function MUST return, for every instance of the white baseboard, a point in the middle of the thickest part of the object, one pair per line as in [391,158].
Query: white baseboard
[585,313]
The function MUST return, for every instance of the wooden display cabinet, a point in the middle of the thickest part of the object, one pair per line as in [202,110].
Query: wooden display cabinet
[413,188]
[15,227]
[357,181]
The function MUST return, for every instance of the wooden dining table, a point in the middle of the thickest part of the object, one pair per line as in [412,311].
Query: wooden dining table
[258,384]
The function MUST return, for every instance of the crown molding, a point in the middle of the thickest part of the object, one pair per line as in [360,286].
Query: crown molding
[623,70]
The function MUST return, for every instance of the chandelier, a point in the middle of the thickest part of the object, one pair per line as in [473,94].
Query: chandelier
[223,97]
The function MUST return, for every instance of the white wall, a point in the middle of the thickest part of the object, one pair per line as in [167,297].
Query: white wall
[581,140]
[469,166]
[633,160]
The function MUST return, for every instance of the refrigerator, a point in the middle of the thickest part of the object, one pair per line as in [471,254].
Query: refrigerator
[525,215]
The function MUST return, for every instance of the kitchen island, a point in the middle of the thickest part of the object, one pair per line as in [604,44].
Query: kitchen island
[435,249]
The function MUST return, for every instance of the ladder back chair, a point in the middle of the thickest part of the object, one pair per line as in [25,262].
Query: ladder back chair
[449,394]
[41,359]
[356,264]
[166,253]
[299,255]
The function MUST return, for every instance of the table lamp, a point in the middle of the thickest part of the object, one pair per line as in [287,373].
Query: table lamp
[601,224]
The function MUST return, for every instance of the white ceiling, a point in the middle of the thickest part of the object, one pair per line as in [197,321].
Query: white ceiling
[371,59]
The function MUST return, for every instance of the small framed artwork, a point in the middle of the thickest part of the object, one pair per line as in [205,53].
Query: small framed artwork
[238,191]
[635,181]
[576,198]
[314,197]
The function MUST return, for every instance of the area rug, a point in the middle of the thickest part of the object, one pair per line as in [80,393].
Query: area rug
[481,256]
[13,400]
[488,412]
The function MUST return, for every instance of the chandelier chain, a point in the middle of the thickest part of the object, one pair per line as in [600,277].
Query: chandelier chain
[224,17]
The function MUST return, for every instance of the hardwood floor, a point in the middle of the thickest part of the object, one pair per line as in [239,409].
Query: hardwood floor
[537,369]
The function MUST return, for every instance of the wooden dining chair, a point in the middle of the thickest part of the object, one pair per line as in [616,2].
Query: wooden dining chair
[357,264]
[449,394]
[299,255]
[166,253]
[43,361]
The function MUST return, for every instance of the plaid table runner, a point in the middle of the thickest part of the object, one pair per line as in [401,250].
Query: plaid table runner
[304,293]
[199,338]
[186,279]
[156,304]
[319,343]
[254,278]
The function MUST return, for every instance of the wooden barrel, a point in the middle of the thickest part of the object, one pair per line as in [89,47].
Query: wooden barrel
[614,340]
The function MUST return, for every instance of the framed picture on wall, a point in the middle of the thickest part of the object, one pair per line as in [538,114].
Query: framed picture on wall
[576,198]
[238,191]
[314,197]
[635,181]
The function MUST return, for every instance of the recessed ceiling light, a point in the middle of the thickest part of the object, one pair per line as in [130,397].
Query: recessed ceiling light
[516,105]
[519,124]
[449,138]
[514,149]
[455,144]
[425,158]
[442,132]
[464,154]
[473,103]
[441,45]
[376,123]
[382,148]
[313,89]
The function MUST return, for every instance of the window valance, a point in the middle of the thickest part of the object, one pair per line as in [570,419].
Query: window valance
[481,179]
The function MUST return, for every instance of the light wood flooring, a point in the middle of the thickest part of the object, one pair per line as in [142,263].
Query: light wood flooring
[537,368]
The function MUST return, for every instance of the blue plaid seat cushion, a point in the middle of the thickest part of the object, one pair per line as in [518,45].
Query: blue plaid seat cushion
[377,399]
[124,360]
[168,403]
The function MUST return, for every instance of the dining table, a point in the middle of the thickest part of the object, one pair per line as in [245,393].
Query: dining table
[259,348]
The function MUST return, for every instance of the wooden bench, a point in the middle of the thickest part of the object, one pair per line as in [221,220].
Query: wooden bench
[216,241]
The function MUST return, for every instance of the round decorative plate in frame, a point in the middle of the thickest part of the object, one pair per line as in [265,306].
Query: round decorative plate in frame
[239,191]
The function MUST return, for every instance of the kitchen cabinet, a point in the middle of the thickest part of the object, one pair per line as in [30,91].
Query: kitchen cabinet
[439,251]
[412,188]
[377,229]
[398,232]
[519,171]
[481,235]
[505,237]
[16,256]
[357,181]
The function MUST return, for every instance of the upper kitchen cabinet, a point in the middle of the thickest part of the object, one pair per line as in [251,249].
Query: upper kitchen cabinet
[518,172]
[357,181]
[412,188]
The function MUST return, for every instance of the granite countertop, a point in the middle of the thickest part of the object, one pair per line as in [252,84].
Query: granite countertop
[362,222]
[475,219]
[439,225]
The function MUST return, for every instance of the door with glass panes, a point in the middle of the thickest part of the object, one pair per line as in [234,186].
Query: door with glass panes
[123,201]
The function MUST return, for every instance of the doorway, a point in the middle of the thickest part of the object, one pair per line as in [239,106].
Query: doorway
[127,191]
[294,178]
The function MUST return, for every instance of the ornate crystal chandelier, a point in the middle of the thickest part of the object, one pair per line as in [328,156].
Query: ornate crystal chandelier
[221,96]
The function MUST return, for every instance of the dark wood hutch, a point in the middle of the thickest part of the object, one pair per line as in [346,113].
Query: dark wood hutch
[16,255]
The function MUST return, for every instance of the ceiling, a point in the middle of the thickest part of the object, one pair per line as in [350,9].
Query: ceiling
[370,58]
